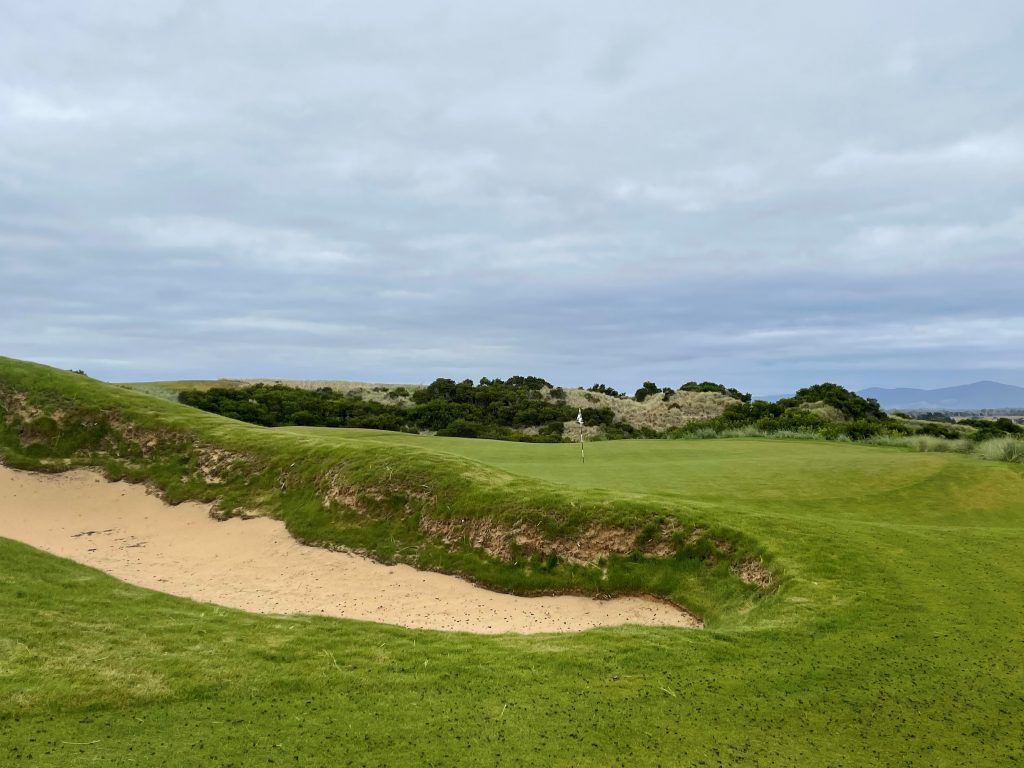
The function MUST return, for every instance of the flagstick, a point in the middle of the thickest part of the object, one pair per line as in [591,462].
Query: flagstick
[583,457]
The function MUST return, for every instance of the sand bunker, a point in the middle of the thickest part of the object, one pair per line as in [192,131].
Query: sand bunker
[255,565]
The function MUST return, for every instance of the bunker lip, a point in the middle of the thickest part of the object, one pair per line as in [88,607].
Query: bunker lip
[256,565]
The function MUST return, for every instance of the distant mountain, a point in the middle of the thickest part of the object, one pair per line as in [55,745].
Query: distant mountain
[966,397]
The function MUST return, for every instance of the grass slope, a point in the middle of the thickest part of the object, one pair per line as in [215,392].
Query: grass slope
[894,639]
[395,502]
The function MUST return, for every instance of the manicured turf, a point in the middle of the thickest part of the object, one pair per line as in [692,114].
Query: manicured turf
[895,638]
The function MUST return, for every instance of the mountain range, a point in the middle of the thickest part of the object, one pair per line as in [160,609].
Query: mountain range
[965,397]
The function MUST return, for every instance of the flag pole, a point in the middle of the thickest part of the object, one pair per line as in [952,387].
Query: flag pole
[579,418]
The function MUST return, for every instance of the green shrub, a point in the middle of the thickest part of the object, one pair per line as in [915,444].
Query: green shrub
[649,388]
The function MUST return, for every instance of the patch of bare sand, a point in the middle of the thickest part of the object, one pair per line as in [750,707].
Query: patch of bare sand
[257,566]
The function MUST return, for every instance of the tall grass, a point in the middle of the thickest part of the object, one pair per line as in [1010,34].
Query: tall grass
[1002,449]
[922,443]
[1008,448]
[749,430]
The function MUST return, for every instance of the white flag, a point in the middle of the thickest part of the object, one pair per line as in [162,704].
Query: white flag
[579,416]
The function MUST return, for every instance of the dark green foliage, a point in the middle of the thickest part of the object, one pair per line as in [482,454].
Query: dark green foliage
[279,405]
[649,388]
[930,416]
[851,404]
[859,417]
[494,409]
[989,428]
[605,390]
[936,429]
[598,416]
[710,386]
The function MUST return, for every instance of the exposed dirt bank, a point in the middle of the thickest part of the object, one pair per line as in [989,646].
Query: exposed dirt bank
[255,565]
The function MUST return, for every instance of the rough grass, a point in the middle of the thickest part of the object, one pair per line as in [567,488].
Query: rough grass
[894,640]
[923,443]
[1009,449]
[1002,449]
[656,412]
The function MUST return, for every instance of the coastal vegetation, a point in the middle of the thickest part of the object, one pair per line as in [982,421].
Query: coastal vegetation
[530,409]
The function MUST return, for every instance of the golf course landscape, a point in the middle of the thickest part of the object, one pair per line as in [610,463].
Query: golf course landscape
[860,605]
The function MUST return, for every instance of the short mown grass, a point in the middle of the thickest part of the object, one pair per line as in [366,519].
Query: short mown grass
[894,637]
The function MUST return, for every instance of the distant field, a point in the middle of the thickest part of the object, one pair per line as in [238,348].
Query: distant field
[895,636]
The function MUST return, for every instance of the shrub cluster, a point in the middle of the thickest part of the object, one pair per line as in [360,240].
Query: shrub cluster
[605,390]
[860,417]
[710,386]
[989,428]
[493,408]
[649,388]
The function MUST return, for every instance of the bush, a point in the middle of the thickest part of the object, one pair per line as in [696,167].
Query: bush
[494,408]
[605,390]
[711,386]
[649,388]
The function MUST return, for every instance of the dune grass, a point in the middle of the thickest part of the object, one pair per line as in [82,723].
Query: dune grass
[894,637]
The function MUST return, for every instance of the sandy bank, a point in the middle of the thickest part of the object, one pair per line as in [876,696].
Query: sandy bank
[255,565]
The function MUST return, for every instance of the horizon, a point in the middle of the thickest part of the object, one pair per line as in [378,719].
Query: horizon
[764,198]
[626,389]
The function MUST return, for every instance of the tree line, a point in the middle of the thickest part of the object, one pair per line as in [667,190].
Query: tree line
[512,409]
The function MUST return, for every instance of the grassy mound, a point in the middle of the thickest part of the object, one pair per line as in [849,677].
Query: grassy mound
[393,501]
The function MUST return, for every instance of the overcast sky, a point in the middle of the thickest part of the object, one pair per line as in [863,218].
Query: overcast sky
[764,194]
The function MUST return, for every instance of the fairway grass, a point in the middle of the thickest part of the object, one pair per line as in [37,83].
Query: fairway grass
[894,635]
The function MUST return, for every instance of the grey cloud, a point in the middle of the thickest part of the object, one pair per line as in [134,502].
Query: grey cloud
[768,196]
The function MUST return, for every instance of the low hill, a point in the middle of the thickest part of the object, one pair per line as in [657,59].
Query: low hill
[980,395]
[659,412]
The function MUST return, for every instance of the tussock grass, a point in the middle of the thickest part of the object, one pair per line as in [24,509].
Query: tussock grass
[749,430]
[1002,449]
[923,443]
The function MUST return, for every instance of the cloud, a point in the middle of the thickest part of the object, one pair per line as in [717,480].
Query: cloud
[573,190]
[210,241]
[32,107]
[701,192]
[983,153]
[949,248]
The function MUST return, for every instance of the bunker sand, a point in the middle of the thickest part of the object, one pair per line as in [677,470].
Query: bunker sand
[257,566]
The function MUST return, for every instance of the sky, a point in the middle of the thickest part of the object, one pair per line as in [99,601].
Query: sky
[768,195]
